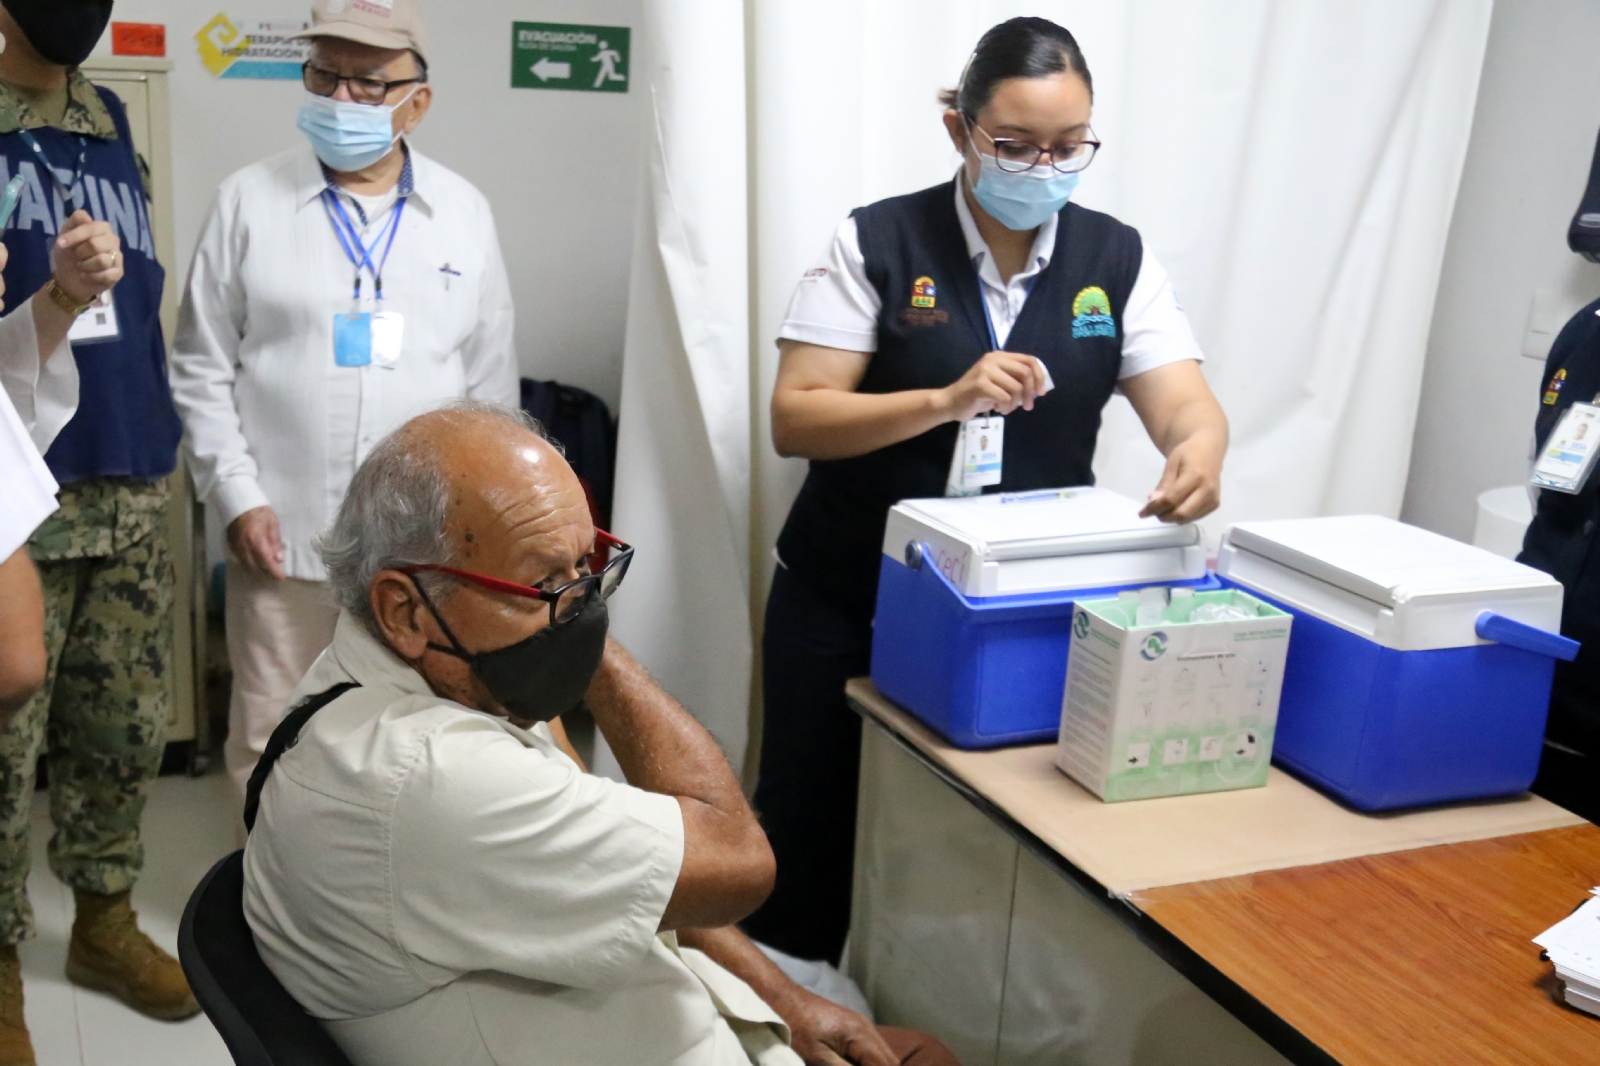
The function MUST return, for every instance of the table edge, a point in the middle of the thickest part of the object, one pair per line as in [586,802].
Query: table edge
[1255,1015]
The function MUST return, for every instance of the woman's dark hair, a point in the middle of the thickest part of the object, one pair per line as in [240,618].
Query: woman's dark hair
[1017,48]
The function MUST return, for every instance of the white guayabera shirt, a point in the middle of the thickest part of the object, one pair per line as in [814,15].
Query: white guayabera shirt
[270,419]
[440,886]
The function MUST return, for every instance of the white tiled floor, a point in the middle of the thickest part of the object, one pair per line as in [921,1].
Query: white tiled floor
[188,825]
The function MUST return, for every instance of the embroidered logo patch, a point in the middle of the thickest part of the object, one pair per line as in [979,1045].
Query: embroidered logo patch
[1554,391]
[1091,314]
[923,292]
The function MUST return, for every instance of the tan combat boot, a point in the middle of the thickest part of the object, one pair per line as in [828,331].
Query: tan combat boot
[15,1047]
[108,953]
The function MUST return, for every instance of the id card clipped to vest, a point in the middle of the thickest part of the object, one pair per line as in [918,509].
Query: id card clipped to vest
[1567,458]
[980,447]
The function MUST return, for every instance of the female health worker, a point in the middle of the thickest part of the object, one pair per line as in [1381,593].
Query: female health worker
[988,293]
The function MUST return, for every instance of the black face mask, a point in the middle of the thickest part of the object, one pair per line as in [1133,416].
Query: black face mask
[62,31]
[544,676]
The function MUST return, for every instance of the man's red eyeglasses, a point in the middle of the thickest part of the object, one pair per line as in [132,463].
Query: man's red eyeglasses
[607,565]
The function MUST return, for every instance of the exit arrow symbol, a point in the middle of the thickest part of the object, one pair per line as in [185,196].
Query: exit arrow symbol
[544,70]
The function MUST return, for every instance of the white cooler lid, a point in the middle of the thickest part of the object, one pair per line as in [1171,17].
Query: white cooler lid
[1037,525]
[1382,560]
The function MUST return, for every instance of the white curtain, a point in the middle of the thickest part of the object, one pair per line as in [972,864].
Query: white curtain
[682,494]
[1293,163]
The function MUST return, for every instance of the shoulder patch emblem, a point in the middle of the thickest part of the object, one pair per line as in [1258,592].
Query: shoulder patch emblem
[1091,314]
[923,292]
[1553,393]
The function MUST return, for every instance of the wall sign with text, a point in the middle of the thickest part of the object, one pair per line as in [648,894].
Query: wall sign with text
[551,55]
[252,48]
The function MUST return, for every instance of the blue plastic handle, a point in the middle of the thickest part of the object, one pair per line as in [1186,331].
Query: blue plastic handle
[1505,630]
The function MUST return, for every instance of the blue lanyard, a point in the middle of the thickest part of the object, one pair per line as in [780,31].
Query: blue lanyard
[44,160]
[350,240]
[983,302]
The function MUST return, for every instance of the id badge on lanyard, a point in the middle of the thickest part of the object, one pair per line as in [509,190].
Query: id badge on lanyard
[980,445]
[1568,456]
[365,338]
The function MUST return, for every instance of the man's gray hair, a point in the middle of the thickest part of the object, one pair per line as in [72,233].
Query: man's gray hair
[395,511]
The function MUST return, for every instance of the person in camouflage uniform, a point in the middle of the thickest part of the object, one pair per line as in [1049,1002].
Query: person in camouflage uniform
[103,559]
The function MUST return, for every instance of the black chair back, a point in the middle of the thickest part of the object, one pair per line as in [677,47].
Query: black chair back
[259,1021]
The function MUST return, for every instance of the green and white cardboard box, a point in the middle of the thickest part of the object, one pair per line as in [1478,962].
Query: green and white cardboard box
[1174,708]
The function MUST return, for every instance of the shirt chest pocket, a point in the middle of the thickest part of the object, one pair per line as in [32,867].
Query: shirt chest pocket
[443,290]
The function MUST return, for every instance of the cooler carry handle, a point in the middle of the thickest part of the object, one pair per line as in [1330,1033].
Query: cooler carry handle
[1498,627]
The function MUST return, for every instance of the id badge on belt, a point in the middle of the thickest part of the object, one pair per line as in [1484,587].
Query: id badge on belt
[980,449]
[1568,456]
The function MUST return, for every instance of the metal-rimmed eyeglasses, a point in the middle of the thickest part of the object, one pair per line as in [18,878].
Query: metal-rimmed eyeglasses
[608,564]
[1014,156]
[370,91]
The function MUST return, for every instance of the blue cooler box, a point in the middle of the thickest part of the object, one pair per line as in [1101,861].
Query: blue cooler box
[975,599]
[1420,667]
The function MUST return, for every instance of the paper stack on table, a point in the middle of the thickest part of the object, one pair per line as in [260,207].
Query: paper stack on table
[1573,945]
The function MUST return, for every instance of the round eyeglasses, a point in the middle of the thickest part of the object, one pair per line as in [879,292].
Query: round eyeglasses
[1014,156]
[607,565]
[370,91]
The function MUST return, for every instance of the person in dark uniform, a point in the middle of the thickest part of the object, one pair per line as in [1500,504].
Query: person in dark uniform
[1561,541]
[989,292]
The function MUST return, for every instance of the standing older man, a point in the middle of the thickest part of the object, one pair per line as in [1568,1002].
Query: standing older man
[336,290]
[433,873]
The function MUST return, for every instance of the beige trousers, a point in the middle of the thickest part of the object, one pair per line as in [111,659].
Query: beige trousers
[276,630]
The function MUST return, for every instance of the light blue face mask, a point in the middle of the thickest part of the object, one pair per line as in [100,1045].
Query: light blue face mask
[348,136]
[1021,201]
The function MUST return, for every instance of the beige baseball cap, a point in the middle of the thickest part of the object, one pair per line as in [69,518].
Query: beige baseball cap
[380,23]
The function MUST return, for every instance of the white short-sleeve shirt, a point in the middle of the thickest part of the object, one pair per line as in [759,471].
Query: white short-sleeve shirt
[439,885]
[837,307]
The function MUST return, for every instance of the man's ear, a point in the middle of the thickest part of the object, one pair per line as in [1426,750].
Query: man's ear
[420,101]
[400,613]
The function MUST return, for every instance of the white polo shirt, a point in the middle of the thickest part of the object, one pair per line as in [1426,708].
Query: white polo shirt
[440,886]
[837,307]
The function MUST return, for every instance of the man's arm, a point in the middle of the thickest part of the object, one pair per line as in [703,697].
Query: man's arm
[205,352]
[823,1032]
[727,864]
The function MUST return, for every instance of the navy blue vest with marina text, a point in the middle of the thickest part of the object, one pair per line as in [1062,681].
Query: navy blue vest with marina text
[931,329]
[126,425]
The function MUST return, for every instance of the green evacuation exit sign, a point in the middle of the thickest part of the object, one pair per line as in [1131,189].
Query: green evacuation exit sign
[552,55]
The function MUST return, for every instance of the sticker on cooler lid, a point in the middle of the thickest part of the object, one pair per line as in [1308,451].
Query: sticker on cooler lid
[1568,456]
[98,323]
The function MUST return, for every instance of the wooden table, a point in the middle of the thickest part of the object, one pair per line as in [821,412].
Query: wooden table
[1409,944]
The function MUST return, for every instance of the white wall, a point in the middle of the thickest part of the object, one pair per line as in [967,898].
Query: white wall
[1532,139]
[560,168]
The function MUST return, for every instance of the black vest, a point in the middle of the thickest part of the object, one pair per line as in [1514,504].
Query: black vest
[1561,540]
[931,329]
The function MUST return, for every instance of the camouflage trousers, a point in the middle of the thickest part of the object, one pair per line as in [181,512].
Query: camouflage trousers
[102,715]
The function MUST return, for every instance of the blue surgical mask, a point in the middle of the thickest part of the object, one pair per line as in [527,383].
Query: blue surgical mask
[348,136]
[1021,201]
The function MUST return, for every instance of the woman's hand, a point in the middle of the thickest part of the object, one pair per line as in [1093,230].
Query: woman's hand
[1000,382]
[1185,421]
[1191,485]
[88,257]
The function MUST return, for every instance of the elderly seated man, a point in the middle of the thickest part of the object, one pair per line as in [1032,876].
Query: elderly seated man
[430,870]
